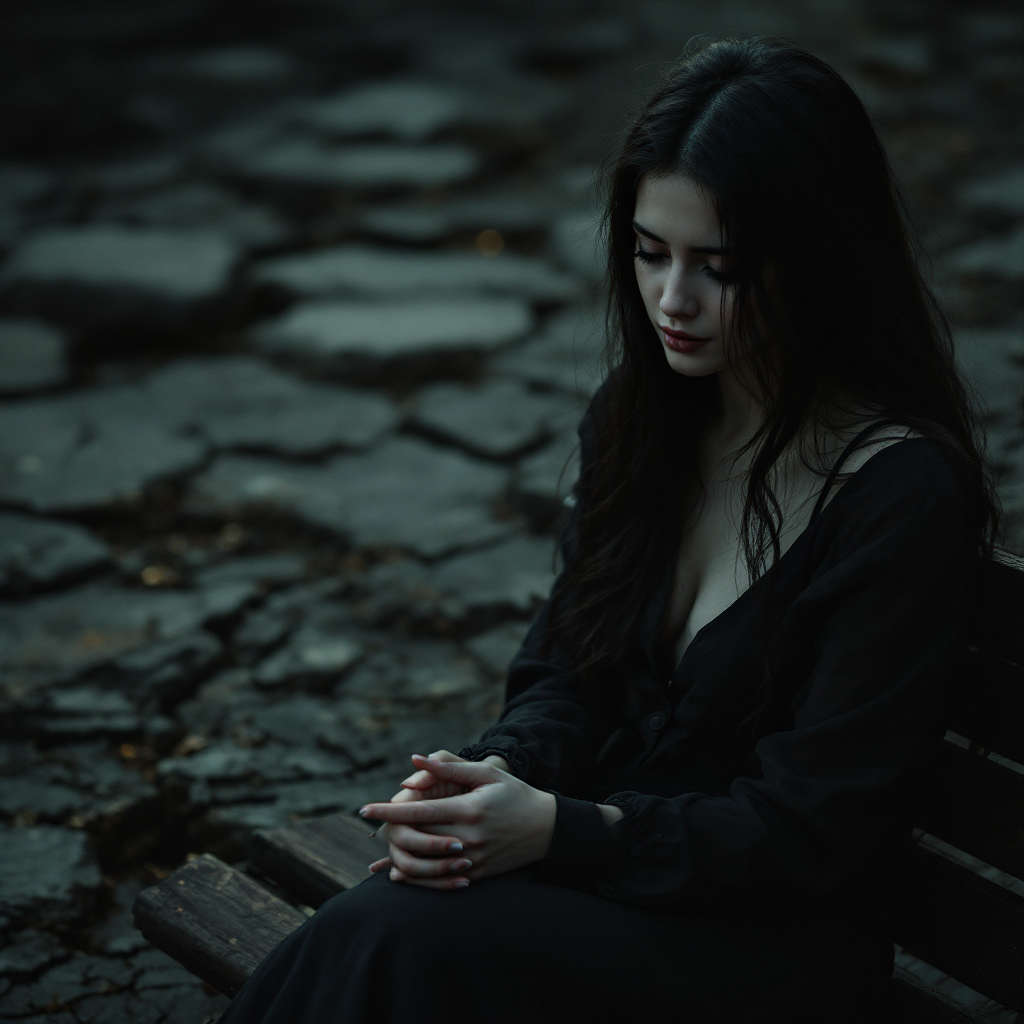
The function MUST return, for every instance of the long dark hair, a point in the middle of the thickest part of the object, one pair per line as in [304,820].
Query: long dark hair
[834,318]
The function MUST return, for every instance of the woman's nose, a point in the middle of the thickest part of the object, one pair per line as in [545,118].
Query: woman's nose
[676,303]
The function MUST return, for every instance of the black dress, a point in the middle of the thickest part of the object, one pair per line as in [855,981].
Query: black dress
[748,880]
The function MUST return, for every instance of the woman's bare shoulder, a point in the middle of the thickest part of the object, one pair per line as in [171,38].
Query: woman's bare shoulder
[828,454]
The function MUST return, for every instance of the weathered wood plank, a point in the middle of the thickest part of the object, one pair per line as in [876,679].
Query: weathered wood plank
[986,704]
[975,804]
[316,859]
[214,921]
[963,924]
[913,1002]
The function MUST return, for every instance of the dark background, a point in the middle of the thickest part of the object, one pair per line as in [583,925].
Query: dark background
[252,554]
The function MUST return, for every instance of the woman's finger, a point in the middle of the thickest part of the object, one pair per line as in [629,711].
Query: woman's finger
[427,867]
[464,773]
[380,865]
[435,791]
[423,779]
[419,780]
[414,841]
[415,812]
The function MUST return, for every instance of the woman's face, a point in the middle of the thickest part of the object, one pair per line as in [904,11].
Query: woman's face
[681,268]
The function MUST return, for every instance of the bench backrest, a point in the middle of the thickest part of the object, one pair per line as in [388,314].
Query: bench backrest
[964,899]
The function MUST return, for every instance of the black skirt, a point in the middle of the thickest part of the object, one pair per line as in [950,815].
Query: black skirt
[519,949]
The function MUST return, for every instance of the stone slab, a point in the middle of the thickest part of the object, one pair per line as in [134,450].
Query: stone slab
[367,166]
[242,65]
[78,977]
[120,177]
[496,648]
[413,671]
[510,578]
[498,419]
[160,674]
[514,576]
[225,762]
[545,479]
[173,266]
[45,871]
[199,204]
[311,656]
[270,570]
[378,331]
[33,355]
[406,110]
[86,451]
[993,360]
[59,636]
[576,239]
[567,354]
[38,553]
[239,402]
[29,951]
[295,720]
[999,257]
[44,801]
[1003,192]
[405,493]
[375,271]
[417,221]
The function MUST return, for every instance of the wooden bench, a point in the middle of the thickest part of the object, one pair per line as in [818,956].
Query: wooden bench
[963,911]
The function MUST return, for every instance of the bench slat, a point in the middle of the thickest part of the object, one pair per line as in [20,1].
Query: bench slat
[214,921]
[913,1002]
[986,704]
[963,924]
[976,805]
[316,859]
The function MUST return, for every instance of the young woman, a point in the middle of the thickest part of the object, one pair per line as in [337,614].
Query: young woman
[689,806]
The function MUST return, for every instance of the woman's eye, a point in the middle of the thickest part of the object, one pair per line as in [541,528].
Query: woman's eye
[719,276]
[646,256]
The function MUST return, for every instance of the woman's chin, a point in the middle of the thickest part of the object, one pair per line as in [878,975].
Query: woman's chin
[695,364]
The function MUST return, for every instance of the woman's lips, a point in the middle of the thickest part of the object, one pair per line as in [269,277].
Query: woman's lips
[680,341]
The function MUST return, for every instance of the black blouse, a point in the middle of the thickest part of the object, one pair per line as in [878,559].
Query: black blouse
[810,807]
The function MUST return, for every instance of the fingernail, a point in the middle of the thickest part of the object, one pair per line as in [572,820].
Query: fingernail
[408,781]
[462,883]
[461,865]
[455,847]
[394,874]
[363,811]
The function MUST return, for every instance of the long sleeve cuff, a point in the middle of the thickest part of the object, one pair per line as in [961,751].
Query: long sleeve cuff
[581,840]
[503,746]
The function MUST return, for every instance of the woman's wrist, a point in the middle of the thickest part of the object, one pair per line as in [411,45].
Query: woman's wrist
[609,814]
[497,761]
[548,811]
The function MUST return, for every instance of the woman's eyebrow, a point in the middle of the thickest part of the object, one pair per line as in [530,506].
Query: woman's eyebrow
[702,250]
[648,234]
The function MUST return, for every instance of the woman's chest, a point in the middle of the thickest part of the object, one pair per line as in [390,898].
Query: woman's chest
[711,571]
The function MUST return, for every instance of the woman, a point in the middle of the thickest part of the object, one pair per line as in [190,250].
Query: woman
[688,806]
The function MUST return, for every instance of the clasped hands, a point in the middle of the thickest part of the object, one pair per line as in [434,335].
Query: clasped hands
[455,822]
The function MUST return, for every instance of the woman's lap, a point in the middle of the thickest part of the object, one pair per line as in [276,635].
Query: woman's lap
[514,948]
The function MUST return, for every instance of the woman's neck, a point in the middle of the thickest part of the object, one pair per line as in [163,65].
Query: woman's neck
[739,416]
